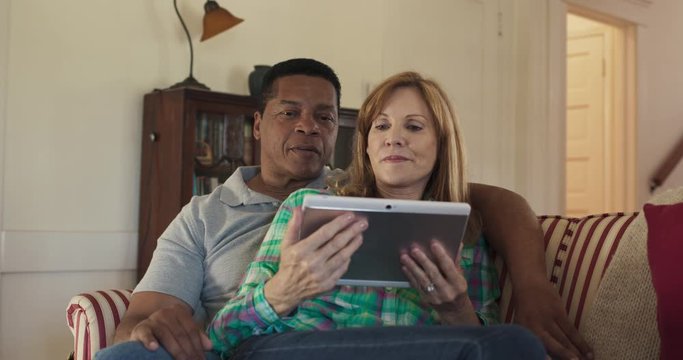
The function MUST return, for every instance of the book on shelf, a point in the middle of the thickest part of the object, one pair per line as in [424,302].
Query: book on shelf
[203,185]
[248,143]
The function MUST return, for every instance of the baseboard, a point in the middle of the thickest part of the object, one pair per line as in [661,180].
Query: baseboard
[36,251]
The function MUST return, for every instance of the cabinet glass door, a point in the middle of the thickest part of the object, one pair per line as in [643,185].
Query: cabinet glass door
[223,142]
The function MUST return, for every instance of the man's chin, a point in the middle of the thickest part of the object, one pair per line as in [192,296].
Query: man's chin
[307,172]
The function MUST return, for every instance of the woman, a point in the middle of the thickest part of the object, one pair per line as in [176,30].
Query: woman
[408,146]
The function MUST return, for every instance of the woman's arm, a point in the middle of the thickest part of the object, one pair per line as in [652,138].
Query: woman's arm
[248,312]
[286,271]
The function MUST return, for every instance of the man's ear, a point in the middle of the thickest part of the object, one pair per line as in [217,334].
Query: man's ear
[257,126]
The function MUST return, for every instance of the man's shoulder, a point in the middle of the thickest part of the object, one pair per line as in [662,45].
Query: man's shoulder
[234,193]
[209,202]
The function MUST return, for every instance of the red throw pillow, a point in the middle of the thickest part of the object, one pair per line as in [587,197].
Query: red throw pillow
[665,255]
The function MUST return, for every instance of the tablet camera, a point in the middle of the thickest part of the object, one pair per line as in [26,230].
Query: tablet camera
[388,207]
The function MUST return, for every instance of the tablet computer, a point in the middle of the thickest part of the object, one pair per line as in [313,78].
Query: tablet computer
[393,226]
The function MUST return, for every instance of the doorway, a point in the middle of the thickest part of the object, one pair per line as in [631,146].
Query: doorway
[600,113]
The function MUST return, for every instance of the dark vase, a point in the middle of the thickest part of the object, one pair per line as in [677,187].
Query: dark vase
[256,79]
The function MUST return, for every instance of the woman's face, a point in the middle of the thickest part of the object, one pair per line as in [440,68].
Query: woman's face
[402,145]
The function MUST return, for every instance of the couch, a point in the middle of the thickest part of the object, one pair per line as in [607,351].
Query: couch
[597,263]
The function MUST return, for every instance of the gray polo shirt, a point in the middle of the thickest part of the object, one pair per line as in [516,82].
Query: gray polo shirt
[203,255]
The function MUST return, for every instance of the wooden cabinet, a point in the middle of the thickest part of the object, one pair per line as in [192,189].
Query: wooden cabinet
[192,140]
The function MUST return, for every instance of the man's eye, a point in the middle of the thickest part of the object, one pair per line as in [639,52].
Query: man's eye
[327,118]
[287,113]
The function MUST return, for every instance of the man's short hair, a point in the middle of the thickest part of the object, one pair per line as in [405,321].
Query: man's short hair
[299,66]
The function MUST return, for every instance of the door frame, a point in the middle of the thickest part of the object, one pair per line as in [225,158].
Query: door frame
[621,152]
[625,150]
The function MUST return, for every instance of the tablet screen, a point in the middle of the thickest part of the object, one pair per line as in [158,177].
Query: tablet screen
[393,226]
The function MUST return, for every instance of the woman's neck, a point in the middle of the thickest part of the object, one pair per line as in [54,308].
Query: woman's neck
[406,193]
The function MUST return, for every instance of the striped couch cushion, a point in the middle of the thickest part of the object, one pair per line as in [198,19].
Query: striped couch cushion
[93,318]
[577,253]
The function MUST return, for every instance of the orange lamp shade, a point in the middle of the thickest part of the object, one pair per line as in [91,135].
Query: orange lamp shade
[217,20]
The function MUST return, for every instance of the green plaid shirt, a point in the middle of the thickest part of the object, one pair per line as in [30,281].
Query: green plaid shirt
[249,314]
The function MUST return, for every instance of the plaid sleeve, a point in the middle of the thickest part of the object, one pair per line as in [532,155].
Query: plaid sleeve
[482,281]
[249,313]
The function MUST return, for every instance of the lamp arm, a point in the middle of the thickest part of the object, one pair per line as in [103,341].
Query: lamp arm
[189,40]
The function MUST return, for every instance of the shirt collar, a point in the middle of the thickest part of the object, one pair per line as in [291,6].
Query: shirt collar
[235,192]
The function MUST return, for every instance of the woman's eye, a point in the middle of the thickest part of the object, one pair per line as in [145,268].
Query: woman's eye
[414,127]
[381,126]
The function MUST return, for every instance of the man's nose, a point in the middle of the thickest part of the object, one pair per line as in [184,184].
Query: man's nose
[307,125]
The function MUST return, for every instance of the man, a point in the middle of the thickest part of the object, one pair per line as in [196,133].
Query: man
[202,255]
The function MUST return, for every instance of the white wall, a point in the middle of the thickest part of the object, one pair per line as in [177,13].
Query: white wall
[4,50]
[457,43]
[660,115]
[535,98]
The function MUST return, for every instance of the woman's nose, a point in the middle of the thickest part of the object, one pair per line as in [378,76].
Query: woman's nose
[394,138]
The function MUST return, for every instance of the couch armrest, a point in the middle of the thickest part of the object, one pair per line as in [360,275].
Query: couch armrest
[93,318]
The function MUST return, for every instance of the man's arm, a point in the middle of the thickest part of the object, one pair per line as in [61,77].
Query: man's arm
[158,319]
[160,314]
[513,230]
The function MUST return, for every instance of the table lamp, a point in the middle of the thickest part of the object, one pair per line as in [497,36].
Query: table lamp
[216,20]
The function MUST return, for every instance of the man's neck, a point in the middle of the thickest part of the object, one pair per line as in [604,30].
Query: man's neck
[274,186]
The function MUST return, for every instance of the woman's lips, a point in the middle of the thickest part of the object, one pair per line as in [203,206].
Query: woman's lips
[395,158]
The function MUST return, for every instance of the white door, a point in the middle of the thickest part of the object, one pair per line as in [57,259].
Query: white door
[585,124]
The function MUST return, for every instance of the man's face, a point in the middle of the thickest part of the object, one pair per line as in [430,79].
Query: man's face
[298,127]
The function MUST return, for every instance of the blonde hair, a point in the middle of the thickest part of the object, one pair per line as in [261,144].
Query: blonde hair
[448,181]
